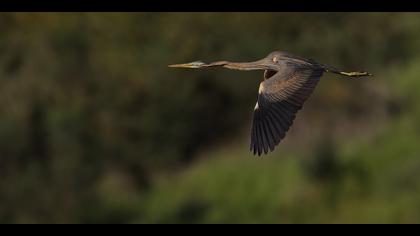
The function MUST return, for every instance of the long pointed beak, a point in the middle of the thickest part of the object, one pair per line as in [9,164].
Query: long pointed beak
[196,64]
[256,65]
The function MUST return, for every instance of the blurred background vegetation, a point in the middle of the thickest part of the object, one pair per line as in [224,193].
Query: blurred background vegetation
[94,127]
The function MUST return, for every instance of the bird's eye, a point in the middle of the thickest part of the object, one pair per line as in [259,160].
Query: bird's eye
[275,59]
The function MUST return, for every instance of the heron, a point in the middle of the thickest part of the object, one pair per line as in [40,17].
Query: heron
[288,81]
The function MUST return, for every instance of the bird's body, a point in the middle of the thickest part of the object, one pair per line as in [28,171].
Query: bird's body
[288,82]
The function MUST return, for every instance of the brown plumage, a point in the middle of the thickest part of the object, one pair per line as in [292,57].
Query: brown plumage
[288,82]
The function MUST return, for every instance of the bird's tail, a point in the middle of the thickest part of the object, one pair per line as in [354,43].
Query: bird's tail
[349,74]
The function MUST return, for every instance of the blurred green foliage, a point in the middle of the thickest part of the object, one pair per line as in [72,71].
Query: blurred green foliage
[96,129]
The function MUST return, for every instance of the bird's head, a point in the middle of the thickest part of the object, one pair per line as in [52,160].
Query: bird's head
[271,62]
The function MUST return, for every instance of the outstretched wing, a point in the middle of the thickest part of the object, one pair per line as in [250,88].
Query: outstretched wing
[280,97]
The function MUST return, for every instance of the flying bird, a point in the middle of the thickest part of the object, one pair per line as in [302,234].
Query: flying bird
[288,82]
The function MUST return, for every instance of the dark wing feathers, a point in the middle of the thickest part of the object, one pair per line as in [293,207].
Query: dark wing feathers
[280,97]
